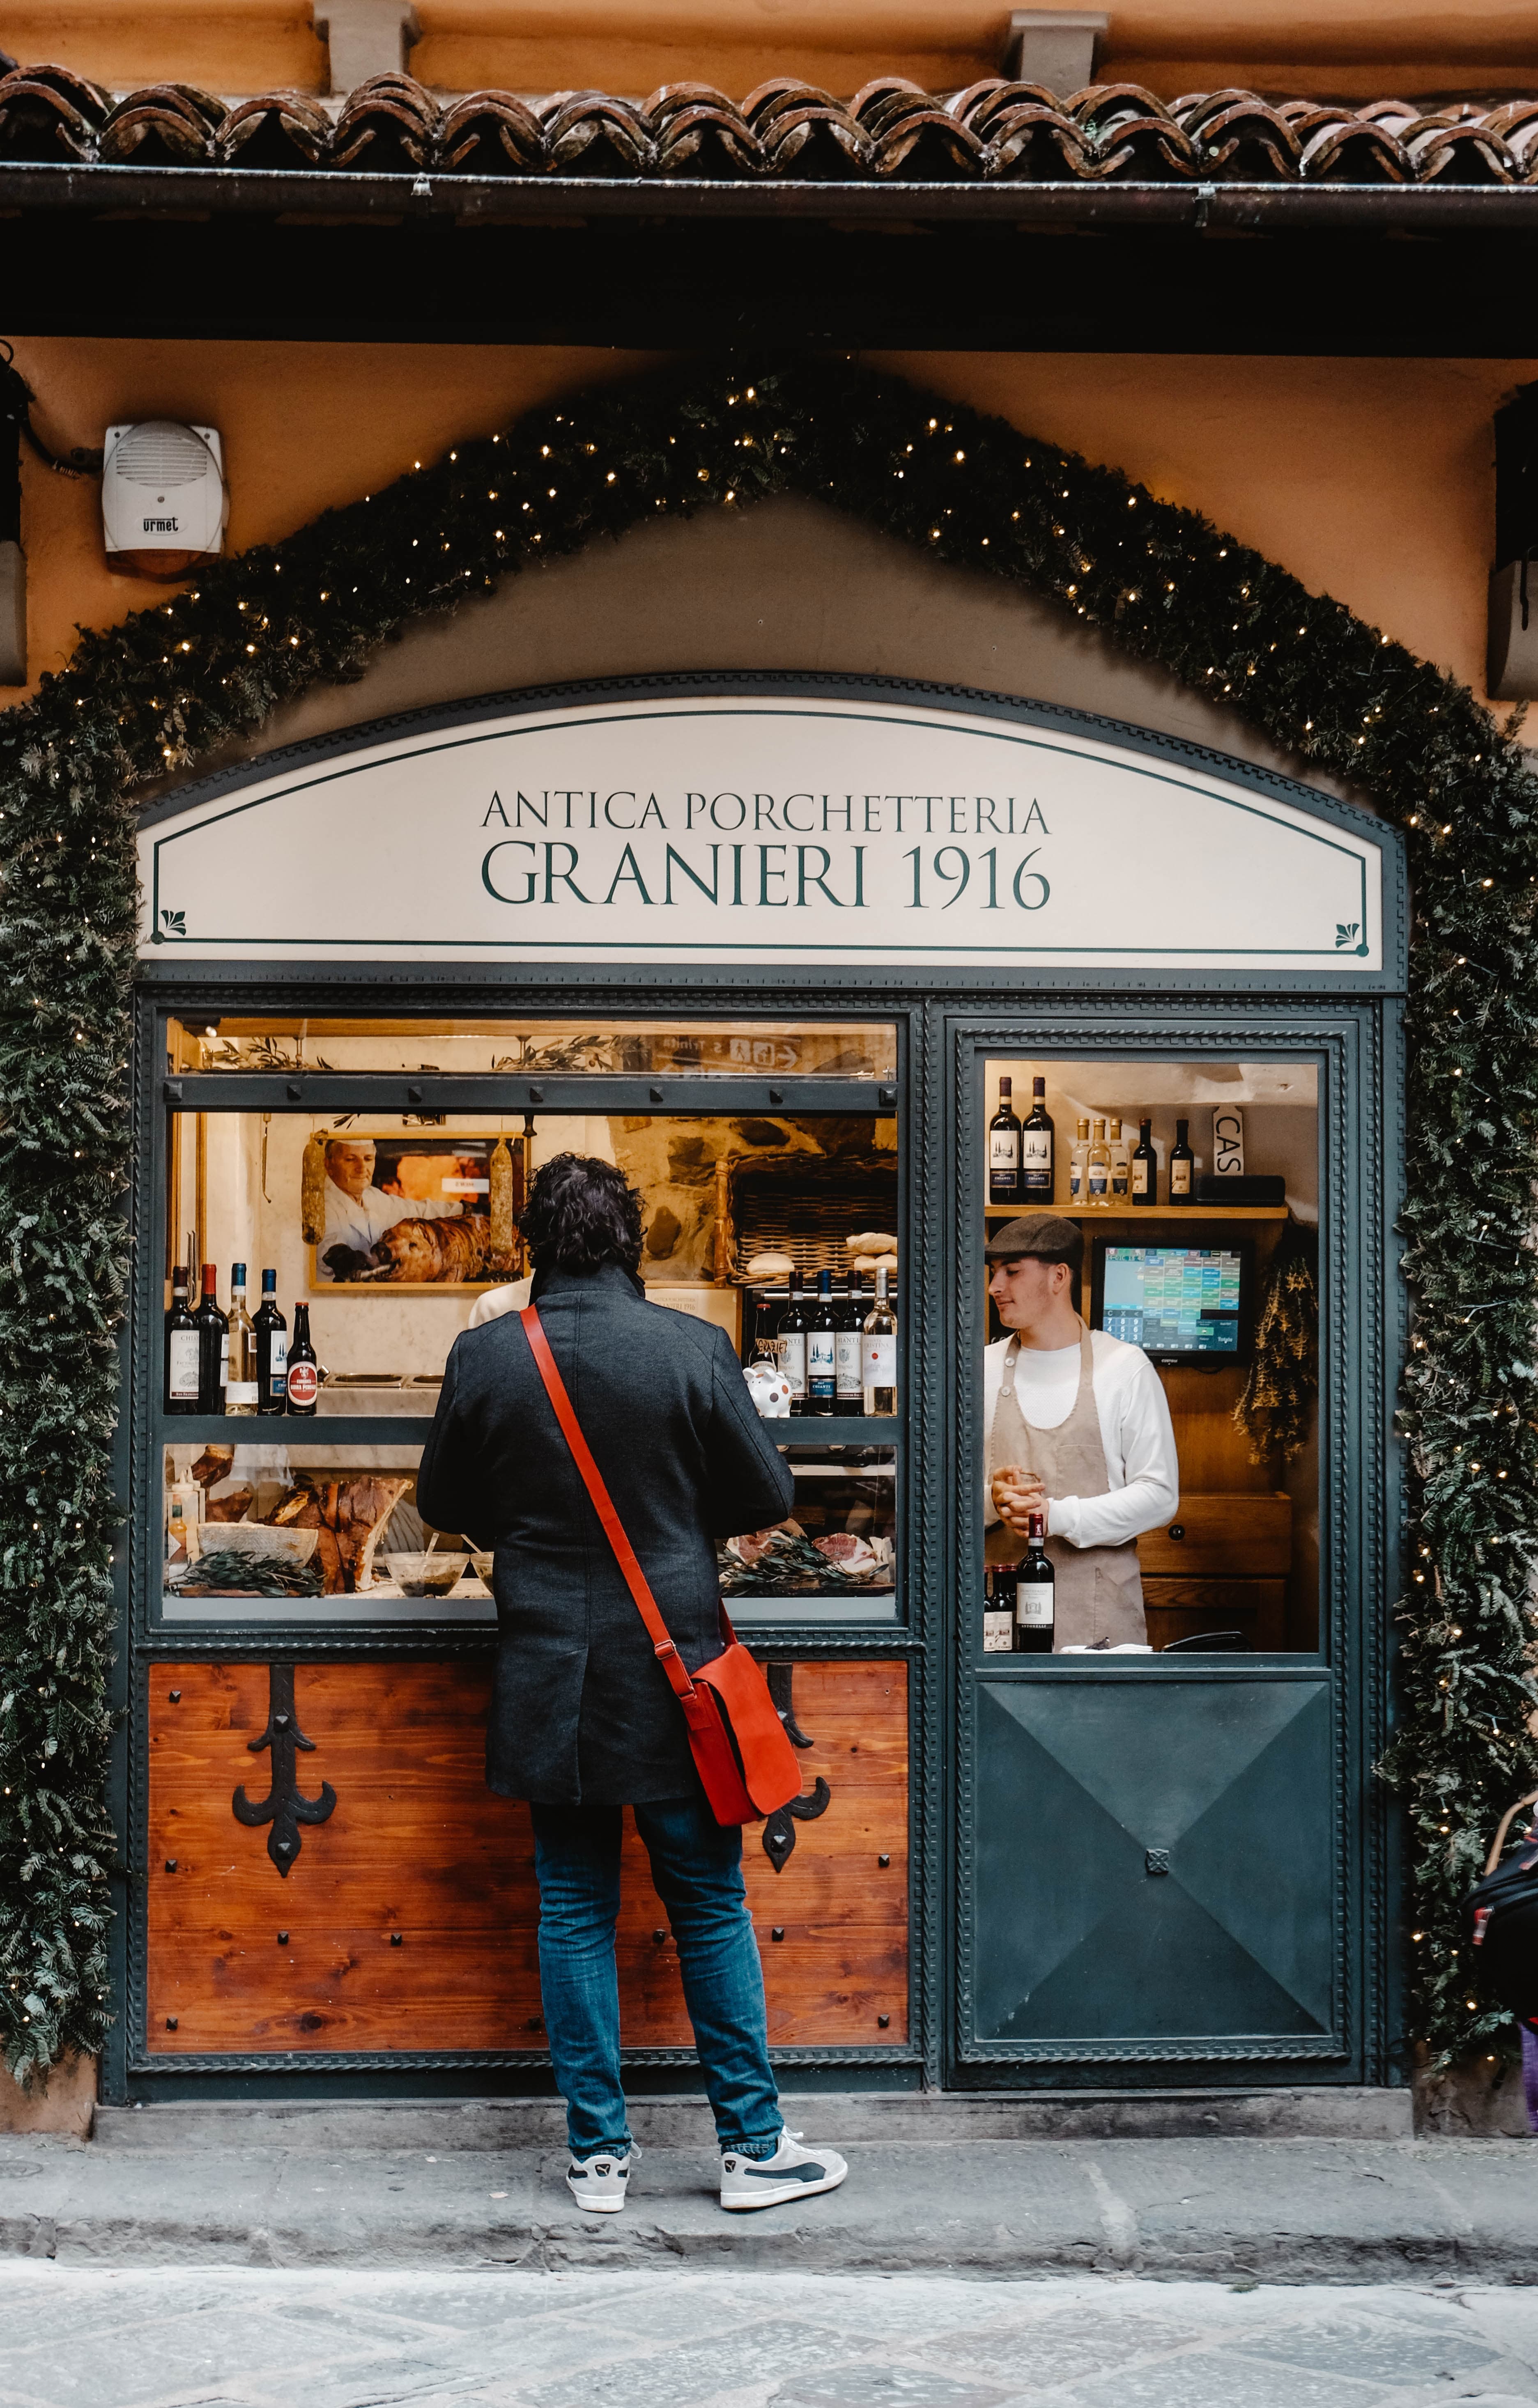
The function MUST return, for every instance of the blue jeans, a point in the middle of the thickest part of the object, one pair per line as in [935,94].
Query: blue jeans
[697,1867]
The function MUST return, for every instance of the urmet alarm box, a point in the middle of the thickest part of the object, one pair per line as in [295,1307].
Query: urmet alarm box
[163,497]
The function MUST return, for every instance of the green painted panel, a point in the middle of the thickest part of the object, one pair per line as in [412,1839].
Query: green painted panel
[1075,1937]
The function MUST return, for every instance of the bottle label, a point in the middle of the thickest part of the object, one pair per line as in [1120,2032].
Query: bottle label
[224,1357]
[1033,1608]
[819,1366]
[303,1384]
[277,1365]
[793,1360]
[846,1362]
[880,1360]
[998,1633]
[1139,1178]
[1118,1178]
[1075,1179]
[239,1392]
[1179,1179]
[1097,1181]
[1036,1162]
[181,1367]
[1004,1149]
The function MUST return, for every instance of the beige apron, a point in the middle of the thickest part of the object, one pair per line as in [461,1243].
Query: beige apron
[1098,1590]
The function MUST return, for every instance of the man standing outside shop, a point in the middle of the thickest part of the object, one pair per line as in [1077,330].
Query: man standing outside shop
[1078,1428]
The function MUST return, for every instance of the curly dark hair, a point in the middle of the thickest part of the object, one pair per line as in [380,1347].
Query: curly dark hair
[581,1214]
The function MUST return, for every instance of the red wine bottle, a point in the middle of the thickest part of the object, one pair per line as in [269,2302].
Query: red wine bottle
[212,1335]
[1035,1615]
[181,1349]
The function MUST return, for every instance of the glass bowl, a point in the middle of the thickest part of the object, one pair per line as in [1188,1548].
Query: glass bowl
[425,1575]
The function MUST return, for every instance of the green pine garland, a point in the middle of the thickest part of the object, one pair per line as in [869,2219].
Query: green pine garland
[162,691]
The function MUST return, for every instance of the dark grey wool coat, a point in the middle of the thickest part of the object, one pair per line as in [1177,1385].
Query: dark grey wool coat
[581,1709]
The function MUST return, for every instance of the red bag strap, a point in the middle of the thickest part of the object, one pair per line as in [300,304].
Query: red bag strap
[603,1505]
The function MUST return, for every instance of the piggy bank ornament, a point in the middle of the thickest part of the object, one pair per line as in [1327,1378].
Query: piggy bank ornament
[769,1389]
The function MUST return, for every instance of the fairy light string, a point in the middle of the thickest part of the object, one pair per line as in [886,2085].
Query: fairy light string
[159,694]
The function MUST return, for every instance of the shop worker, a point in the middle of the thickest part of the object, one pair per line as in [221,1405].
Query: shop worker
[583,1720]
[1079,1429]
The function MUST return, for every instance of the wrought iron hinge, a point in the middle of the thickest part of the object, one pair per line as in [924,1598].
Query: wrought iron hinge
[779,1826]
[283,1806]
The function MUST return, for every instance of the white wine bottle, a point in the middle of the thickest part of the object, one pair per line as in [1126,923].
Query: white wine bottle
[879,1354]
[240,1349]
[1097,1168]
[1078,1170]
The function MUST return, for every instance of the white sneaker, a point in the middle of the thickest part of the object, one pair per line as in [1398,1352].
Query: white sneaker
[598,2184]
[792,2172]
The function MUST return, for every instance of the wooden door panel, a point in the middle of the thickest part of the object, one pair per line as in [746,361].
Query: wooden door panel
[411,1912]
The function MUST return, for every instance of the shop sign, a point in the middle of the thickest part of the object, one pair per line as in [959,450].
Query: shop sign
[766,829]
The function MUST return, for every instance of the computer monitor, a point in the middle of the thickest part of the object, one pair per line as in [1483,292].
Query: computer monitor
[1181,1304]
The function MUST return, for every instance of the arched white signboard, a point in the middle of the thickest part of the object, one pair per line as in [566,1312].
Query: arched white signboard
[762,829]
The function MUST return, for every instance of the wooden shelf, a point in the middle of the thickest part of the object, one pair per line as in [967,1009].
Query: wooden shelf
[1142,1211]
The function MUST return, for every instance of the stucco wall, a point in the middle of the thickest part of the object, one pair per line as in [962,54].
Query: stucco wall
[1372,479]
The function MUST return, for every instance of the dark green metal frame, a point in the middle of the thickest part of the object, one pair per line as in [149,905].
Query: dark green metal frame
[1349,1021]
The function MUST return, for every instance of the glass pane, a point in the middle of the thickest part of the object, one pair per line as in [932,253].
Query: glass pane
[833,1559]
[638,1048]
[391,1229]
[1194,1190]
[272,1529]
[269,1529]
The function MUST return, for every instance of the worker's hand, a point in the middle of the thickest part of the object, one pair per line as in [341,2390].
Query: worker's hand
[1017,1494]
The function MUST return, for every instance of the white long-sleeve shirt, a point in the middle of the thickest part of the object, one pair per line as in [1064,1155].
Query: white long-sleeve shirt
[1136,1433]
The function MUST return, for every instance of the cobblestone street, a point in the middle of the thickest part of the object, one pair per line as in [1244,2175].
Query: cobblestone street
[77,2338]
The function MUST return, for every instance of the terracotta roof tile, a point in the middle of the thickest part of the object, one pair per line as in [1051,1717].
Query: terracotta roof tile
[992,131]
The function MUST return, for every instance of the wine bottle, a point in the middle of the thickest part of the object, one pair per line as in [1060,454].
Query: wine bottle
[848,1317]
[792,1349]
[821,1358]
[998,1610]
[304,1375]
[1182,1166]
[879,1354]
[1035,1621]
[1038,1148]
[239,1349]
[1121,1168]
[271,1350]
[1004,1150]
[181,1348]
[212,1331]
[1144,1167]
[1097,1168]
[1078,1170]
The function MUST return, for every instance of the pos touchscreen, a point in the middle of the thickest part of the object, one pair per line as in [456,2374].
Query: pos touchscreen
[1181,1304]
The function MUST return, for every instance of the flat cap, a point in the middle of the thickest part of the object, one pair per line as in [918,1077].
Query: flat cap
[1046,1235]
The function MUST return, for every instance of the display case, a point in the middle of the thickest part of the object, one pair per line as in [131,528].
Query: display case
[367,1176]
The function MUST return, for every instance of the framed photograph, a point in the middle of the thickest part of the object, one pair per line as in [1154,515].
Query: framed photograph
[411,1208]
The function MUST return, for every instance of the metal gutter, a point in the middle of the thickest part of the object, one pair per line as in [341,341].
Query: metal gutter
[328,196]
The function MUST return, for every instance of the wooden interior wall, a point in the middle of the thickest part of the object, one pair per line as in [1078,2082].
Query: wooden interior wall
[407,1918]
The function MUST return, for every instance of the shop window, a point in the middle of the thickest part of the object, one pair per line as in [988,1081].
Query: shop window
[384,1235]
[1193,1189]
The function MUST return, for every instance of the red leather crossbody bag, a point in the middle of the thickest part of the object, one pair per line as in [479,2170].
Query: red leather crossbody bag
[740,1752]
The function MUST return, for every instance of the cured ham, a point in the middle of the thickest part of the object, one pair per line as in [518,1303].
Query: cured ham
[349,1516]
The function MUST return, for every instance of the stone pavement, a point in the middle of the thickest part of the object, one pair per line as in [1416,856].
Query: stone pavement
[254,2188]
[82,2337]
